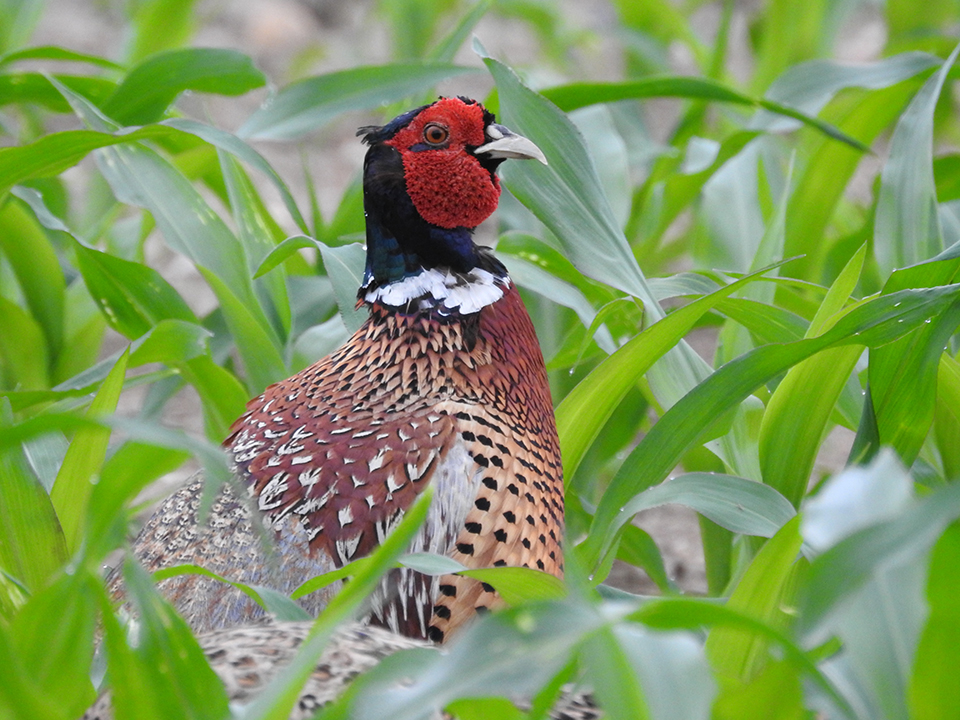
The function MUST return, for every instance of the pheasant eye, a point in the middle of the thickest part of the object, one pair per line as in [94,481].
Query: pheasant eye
[435,134]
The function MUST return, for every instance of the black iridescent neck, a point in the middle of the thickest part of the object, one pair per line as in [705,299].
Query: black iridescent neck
[400,243]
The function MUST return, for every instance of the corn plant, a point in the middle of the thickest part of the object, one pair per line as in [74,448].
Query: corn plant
[832,307]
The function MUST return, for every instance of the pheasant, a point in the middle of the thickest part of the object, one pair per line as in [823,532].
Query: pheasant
[444,384]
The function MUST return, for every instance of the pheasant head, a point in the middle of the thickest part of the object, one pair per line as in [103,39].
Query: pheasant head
[429,180]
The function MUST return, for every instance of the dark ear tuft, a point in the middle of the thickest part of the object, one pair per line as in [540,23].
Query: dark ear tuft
[367,131]
[373,134]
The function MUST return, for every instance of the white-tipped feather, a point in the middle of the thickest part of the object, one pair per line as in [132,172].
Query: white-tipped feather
[465,293]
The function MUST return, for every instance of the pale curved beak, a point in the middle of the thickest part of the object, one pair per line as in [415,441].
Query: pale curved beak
[504,143]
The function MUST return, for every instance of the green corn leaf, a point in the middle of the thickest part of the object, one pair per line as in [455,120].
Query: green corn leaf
[795,412]
[739,505]
[257,346]
[149,88]
[763,592]
[259,233]
[304,106]
[56,152]
[848,565]
[32,546]
[588,406]
[141,177]
[902,377]
[280,695]
[639,549]
[275,603]
[281,252]
[35,263]
[230,143]
[159,25]
[344,266]
[577,95]
[53,637]
[613,678]
[75,481]
[684,613]
[133,297]
[568,198]
[947,418]
[32,87]
[933,692]
[907,227]
[874,322]
[863,114]
[53,52]
[444,50]
[128,471]
[519,584]
[23,348]
[165,674]
[224,397]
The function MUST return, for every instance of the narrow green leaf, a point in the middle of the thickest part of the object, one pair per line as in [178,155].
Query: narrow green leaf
[259,233]
[577,95]
[947,418]
[763,593]
[344,266]
[275,603]
[140,177]
[152,86]
[53,52]
[907,227]
[845,567]
[519,584]
[37,269]
[33,87]
[795,412]
[304,106]
[282,251]
[74,483]
[542,638]
[133,297]
[933,692]
[639,549]
[431,563]
[32,545]
[444,50]
[230,143]
[776,693]
[165,674]
[684,613]
[224,397]
[739,505]
[19,696]
[614,681]
[257,347]
[485,709]
[590,404]
[280,695]
[160,25]
[568,198]
[128,471]
[53,635]
[874,322]
[23,348]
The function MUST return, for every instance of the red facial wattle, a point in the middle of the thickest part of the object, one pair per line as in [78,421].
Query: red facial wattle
[448,185]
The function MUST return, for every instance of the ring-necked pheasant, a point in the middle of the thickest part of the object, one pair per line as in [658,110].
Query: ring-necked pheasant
[443,384]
